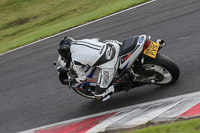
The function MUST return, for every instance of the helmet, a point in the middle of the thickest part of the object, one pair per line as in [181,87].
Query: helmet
[64,48]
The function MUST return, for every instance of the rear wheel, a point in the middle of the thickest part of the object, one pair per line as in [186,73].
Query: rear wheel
[166,71]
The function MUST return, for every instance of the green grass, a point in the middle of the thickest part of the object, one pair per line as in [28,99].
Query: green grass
[186,126]
[25,21]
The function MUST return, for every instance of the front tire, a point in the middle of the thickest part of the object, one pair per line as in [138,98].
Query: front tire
[163,66]
[84,93]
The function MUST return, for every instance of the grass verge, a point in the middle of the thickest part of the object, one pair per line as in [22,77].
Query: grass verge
[185,126]
[25,21]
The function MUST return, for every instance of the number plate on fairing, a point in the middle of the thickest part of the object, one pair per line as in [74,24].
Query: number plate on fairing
[152,50]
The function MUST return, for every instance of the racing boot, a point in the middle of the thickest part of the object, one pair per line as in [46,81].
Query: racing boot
[103,93]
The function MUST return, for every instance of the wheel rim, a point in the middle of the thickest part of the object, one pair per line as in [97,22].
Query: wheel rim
[83,94]
[167,76]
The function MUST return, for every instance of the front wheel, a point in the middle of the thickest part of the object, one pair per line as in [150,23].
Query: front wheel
[166,71]
[85,93]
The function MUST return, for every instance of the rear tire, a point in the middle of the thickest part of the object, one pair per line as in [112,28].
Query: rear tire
[164,66]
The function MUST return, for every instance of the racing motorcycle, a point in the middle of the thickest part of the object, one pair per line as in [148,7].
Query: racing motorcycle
[139,64]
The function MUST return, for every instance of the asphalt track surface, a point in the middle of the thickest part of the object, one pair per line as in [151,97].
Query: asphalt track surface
[31,95]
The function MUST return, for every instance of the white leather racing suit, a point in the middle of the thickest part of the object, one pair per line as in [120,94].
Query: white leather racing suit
[91,52]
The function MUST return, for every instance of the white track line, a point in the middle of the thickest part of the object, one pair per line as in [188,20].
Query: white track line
[195,94]
[80,26]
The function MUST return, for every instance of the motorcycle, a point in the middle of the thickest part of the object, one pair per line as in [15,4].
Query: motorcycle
[140,63]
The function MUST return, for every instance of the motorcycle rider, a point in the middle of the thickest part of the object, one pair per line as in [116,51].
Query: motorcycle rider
[92,52]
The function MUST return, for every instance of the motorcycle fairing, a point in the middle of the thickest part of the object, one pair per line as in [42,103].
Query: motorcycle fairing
[135,52]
